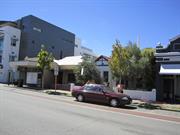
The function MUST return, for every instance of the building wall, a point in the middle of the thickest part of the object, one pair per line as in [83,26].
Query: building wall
[177,90]
[168,55]
[102,69]
[36,32]
[102,66]
[82,50]
[8,50]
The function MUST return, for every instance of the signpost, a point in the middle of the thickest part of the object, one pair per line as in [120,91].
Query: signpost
[56,72]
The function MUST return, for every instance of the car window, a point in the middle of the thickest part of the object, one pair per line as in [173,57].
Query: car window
[93,88]
[89,88]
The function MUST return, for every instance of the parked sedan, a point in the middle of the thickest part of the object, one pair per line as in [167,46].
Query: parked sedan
[101,94]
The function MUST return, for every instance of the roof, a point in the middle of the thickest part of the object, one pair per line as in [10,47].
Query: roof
[65,63]
[69,61]
[102,56]
[8,23]
[34,59]
[174,38]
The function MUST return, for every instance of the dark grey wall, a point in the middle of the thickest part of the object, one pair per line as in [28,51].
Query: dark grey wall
[56,40]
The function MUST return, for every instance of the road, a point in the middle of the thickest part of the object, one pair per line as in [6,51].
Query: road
[24,112]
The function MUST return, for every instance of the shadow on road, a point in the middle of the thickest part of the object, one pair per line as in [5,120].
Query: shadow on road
[130,107]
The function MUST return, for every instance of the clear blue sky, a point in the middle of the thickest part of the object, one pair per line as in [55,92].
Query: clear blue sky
[99,22]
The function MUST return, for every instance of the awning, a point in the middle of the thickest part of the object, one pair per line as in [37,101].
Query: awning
[170,69]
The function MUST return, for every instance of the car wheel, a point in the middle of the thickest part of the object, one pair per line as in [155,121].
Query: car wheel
[80,98]
[114,102]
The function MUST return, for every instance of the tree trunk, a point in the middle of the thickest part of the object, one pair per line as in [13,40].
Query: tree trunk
[42,81]
[120,80]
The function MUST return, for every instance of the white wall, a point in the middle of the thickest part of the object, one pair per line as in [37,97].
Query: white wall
[141,95]
[81,50]
[9,32]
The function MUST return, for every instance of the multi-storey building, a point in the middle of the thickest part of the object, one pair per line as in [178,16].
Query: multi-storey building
[9,48]
[82,50]
[37,32]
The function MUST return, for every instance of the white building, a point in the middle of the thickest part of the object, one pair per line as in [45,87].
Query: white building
[103,66]
[82,50]
[9,50]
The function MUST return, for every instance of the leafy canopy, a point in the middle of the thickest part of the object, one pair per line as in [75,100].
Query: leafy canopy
[90,72]
[44,59]
[119,63]
[132,64]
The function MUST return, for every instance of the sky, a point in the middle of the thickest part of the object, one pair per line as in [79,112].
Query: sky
[98,23]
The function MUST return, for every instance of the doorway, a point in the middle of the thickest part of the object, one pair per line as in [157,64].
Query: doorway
[168,89]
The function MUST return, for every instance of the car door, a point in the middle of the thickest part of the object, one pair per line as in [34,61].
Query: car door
[90,92]
[99,95]
[95,94]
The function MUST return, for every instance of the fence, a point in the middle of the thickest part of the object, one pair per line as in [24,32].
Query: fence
[134,94]
[142,95]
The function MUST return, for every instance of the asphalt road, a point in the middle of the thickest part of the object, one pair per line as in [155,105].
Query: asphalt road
[30,113]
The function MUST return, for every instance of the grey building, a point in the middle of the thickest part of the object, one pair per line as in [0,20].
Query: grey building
[168,71]
[36,32]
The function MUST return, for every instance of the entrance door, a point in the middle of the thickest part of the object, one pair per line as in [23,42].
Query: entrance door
[168,89]
[59,78]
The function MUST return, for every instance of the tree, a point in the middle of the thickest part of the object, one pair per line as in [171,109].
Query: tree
[44,62]
[149,67]
[135,66]
[119,62]
[89,73]
[132,64]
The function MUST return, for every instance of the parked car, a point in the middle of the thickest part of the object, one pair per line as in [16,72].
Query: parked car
[101,94]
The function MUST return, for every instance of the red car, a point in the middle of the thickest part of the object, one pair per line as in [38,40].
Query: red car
[101,94]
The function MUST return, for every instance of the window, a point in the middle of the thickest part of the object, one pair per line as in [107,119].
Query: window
[23,27]
[90,88]
[71,78]
[37,29]
[1,43]
[61,54]
[166,59]
[177,46]
[1,66]
[67,40]
[106,76]
[159,59]
[93,89]
[13,41]
[12,58]
[0,58]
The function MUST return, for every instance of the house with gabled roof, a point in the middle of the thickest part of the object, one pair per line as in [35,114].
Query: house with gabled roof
[168,70]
